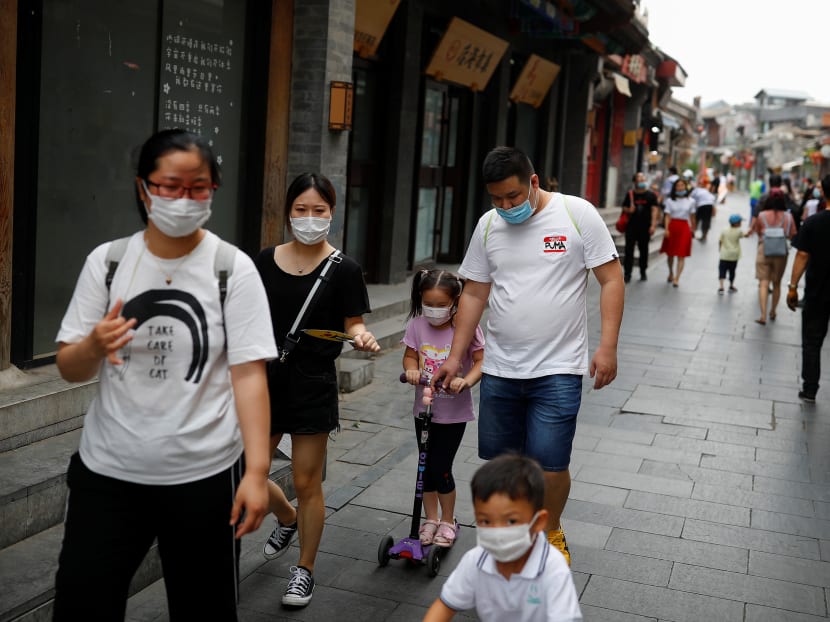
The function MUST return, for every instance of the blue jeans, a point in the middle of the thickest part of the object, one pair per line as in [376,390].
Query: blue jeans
[535,417]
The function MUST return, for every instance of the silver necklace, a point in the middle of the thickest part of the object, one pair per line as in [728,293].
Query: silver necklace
[168,276]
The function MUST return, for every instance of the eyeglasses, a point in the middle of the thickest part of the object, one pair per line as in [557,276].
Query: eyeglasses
[198,192]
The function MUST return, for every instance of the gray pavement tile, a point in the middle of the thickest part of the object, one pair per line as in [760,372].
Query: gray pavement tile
[822,510]
[618,434]
[607,396]
[635,481]
[580,458]
[675,455]
[682,409]
[801,490]
[623,517]
[691,508]
[598,614]
[723,557]
[583,442]
[789,523]
[594,493]
[750,589]
[257,594]
[757,613]
[589,535]
[148,605]
[413,613]
[752,439]
[824,548]
[739,428]
[659,602]
[778,471]
[781,394]
[377,446]
[400,581]
[705,387]
[785,568]
[654,424]
[605,563]
[742,497]
[711,447]
[752,539]
[738,403]
[366,519]
[786,458]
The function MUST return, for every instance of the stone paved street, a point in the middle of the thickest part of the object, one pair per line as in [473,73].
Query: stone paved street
[700,482]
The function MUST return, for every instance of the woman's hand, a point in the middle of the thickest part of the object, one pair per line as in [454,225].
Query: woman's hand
[413,376]
[366,342]
[252,496]
[111,334]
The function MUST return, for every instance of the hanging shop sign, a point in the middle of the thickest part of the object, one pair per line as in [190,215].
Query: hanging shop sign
[466,55]
[535,81]
[371,19]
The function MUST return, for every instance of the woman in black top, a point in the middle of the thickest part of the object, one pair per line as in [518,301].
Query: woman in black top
[303,387]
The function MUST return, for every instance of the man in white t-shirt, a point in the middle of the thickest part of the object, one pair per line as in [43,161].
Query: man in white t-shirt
[529,259]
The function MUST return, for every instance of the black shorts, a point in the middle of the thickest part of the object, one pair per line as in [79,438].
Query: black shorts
[304,396]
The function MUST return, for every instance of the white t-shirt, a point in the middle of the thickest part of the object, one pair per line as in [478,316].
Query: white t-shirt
[680,208]
[810,208]
[537,324]
[167,414]
[701,196]
[542,592]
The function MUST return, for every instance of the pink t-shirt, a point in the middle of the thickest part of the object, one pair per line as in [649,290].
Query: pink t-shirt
[433,348]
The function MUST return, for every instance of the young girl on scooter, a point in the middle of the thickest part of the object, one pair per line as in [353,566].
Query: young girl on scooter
[428,338]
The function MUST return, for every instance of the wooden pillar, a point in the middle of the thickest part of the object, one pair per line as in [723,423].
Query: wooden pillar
[8,63]
[276,122]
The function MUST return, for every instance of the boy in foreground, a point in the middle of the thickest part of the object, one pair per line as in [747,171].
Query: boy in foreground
[512,573]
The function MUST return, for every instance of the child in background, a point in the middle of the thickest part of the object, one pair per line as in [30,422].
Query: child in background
[730,251]
[428,338]
[513,573]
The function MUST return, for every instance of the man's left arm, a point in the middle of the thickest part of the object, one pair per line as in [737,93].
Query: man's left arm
[611,300]
[799,266]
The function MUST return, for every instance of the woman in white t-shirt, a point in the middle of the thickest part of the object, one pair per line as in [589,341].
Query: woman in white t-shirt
[180,358]
[680,221]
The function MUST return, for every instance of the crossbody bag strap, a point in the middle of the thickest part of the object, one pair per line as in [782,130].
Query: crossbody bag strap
[292,338]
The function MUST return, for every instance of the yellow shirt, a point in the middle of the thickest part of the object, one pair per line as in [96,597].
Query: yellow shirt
[730,243]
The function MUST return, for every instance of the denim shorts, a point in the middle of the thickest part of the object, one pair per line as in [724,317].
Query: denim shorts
[535,417]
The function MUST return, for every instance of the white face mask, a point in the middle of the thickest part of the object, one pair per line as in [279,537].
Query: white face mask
[310,230]
[507,544]
[437,315]
[177,218]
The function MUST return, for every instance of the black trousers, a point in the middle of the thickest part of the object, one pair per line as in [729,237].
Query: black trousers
[704,217]
[444,441]
[815,317]
[110,526]
[726,269]
[638,237]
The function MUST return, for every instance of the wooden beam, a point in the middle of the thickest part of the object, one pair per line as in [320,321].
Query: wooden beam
[276,122]
[8,64]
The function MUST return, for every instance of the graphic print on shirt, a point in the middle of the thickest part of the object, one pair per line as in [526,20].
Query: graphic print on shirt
[150,309]
[555,242]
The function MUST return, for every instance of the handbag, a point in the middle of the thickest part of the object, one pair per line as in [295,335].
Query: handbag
[293,336]
[775,240]
[622,221]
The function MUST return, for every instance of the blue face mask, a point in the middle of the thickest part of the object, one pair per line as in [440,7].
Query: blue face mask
[642,185]
[816,193]
[681,193]
[518,214]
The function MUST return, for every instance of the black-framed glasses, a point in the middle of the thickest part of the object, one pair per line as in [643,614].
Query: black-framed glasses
[199,192]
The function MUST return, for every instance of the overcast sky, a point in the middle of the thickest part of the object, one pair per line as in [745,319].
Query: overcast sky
[731,49]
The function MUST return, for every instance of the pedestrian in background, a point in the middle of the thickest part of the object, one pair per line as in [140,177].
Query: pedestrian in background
[815,203]
[528,255]
[756,188]
[704,208]
[813,256]
[730,252]
[428,338]
[668,184]
[303,381]
[679,221]
[161,450]
[643,209]
[769,268]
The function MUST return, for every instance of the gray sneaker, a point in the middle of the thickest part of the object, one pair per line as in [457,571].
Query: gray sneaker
[278,541]
[300,587]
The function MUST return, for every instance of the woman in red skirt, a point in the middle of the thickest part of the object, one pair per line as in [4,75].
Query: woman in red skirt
[679,220]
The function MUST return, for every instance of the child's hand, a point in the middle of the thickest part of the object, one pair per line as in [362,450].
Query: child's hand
[458,385]
[413,376]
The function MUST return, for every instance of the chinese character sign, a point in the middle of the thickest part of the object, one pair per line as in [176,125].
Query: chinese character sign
[466,55]
[535,81]
[371,20]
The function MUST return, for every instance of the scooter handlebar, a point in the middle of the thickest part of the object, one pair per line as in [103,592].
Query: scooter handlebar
[424,381]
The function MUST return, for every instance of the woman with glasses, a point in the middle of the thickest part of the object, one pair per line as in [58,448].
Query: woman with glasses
[182,395]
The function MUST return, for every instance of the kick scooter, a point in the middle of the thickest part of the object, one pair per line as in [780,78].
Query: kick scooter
[411,548]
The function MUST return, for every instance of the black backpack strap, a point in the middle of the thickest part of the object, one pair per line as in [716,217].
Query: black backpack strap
[114,255]
[223,268]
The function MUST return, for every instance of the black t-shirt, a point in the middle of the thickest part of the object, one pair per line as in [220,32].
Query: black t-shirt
[813,239]
[343,296]
[643,202]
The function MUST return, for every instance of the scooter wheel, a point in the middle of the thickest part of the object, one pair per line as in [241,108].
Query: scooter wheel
[386,543]
[433,561]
